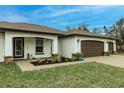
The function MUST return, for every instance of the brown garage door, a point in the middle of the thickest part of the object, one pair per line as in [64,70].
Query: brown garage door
[92,48]
[110,47]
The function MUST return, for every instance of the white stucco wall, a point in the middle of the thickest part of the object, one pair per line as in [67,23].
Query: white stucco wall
[30,45]
[70,45]
[2,43]
[29,40]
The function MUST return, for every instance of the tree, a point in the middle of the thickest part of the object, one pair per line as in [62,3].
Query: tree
[120,33]
[96,30]
[68,28]
[84,27]
[106,31]
[120,28]
[117,31]
[81,27]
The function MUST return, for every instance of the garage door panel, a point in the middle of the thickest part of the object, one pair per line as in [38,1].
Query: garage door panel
[92,48]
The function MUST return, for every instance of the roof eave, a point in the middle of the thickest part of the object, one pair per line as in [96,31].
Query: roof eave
[31,31]
[75,34]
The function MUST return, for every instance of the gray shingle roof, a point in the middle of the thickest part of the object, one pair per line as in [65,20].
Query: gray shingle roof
[43,29]
[85,33]
[28,27]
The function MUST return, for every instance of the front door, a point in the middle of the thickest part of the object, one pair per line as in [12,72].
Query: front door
[18,44]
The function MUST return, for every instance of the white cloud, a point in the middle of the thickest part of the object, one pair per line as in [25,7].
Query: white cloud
[12,15]
[62,12]
[100,7]
[54,11]
[14,18]
[68,23]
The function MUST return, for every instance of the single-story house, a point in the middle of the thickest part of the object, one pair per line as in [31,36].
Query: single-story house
[24,41]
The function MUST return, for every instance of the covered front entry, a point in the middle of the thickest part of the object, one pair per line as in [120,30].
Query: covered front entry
[91,48]
[18,47]
[32,47]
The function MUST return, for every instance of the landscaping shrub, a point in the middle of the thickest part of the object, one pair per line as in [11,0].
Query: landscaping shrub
[74,57]
[53,60]
[56,58]
[46,61]
[43,61]
[40,61]
[65,59]
[77,56]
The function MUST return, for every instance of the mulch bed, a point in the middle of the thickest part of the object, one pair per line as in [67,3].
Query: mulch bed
[35,63]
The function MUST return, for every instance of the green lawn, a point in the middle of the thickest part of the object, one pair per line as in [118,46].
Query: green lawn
[80,75]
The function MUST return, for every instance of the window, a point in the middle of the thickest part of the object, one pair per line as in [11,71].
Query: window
[39,45]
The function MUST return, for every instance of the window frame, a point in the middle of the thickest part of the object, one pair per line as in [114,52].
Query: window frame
[37,45]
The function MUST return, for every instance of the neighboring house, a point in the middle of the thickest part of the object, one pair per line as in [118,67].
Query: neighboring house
[23,41]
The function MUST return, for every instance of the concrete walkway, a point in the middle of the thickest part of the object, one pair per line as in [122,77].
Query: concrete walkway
[114,60]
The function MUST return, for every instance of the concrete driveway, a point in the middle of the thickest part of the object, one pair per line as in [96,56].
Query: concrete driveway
[114,60]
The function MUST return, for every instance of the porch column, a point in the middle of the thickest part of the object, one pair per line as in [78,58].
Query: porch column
[105,47]
[8,48]
[55,46]
[114,45]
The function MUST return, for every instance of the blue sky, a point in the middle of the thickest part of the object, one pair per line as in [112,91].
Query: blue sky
[60,16]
